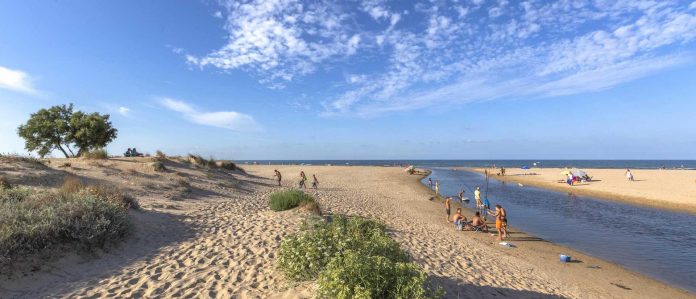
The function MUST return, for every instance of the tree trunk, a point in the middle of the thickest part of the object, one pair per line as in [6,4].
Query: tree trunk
[64,152]
[71,152]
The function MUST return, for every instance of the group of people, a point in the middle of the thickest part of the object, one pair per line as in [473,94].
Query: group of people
[435,186]
[132,152]
[478,222]
[303,179]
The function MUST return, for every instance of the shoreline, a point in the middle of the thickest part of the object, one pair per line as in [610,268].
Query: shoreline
[611,195]
[545,246]
[531,258]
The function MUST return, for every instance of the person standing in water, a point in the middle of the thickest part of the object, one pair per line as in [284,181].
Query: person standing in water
[437,187]
[303,180]
[315,182]
[477,197]
[448,203]
[278,176]
[430,182]
[486,207]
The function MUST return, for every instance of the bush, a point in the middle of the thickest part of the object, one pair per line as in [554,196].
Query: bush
[160,156]
[353,258]
[33,220]
[4,183]
[354,275]
[285,200]
[197,160]
[159,167]
[96,154]
[32,161]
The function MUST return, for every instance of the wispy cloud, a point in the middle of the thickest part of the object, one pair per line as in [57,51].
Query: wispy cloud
[435,51]
[16,80]
[221,119]
[124,111]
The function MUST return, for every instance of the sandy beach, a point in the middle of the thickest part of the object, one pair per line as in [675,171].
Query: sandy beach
[660,188]
[217,238]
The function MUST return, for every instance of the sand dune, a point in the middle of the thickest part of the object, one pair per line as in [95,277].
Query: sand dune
[220,240]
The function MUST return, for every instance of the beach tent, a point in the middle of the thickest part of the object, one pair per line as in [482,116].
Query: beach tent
[578,172]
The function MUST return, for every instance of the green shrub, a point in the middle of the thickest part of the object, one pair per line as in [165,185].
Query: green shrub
[12,195]
[199,161]
[353,258]
[5,183]
[160,156]
[96,154]
[354,275]
[36,220]
[285,200]
[159,167]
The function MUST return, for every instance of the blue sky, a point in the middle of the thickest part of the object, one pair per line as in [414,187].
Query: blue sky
[468,79]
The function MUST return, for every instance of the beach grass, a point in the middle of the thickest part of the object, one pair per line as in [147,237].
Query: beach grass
[285,200]
[84,216]
[96,154]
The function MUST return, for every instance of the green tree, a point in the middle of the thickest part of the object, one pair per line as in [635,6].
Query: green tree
[59,127]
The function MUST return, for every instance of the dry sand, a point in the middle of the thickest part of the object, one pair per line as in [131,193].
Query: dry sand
[661,188]
[220,240]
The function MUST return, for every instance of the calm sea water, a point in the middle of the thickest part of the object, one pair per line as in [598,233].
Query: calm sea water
[687,164]
[658,243]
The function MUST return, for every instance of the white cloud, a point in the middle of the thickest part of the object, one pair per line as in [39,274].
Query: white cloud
[280,39]
[510,49]
[16,80]
[123,111]
[221,119]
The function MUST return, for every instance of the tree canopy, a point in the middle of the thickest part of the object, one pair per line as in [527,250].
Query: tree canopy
[62,128]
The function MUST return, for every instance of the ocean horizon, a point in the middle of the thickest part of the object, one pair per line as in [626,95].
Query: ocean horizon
[510,163]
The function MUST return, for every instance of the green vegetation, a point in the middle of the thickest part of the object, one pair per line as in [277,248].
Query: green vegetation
[211,163]
[32,161]
[96,154]
[285,200]
[160,156]
[84,216]
[353,258]
[159,167]
[59,127]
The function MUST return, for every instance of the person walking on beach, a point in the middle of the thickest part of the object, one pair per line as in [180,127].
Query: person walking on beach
[315,182]
[278,176]
[629,175]
[448,203]
[303,180]
[430,182]
[500,222]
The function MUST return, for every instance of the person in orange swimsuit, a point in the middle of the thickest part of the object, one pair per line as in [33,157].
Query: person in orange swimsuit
[500,222]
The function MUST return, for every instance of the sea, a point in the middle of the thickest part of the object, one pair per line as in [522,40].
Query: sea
[633,164]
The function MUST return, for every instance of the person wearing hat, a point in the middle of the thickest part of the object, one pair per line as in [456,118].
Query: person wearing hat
[477,196]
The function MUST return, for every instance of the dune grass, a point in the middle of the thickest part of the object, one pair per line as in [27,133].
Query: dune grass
[84,216]
[96,154]
[285,200]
